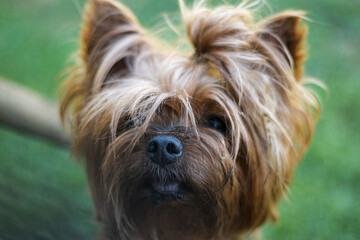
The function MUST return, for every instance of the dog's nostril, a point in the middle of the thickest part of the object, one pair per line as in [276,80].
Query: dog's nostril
[152,147]
[173,148]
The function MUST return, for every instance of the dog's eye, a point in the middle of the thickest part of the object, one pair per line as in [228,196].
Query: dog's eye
[217,123]
[124,125]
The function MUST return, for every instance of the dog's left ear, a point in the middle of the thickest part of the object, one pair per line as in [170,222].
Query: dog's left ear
[286,32]
[111,37]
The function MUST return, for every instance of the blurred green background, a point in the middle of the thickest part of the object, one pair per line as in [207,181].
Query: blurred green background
[43,193]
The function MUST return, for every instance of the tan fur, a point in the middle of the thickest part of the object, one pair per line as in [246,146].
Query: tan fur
[128,89]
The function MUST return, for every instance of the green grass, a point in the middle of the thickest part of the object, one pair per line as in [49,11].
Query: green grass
[43,193]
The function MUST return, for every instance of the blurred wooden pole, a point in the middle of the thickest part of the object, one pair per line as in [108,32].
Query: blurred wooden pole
[27,111]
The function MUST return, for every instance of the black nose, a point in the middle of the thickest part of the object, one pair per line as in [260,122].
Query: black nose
[164,149]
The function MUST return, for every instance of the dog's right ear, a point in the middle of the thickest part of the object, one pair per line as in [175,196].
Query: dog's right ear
[111,36]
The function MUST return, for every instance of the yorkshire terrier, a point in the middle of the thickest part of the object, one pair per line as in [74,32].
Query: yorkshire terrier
[189,144]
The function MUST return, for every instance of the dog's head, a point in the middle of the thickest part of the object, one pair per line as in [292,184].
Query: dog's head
[195,144]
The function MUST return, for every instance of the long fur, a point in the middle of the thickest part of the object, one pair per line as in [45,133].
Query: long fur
[129,88]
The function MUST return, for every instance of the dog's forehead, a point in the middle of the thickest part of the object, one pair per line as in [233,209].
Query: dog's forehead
[168,86]
[178,74]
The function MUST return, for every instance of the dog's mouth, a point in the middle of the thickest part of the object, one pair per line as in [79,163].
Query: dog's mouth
[165,191]
[165,188]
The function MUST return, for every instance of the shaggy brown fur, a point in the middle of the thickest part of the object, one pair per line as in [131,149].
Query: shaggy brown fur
[236,107]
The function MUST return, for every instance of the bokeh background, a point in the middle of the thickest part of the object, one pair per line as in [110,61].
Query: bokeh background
[43,193]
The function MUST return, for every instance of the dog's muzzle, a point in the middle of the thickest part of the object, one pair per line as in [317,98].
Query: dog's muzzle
[164,150]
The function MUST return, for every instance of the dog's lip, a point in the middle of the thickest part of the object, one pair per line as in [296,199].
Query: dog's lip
[164,188]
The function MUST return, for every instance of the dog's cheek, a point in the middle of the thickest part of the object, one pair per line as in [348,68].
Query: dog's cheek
[203,168]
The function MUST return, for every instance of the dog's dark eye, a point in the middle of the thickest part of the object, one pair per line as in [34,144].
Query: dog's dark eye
[217,124]
[124,125]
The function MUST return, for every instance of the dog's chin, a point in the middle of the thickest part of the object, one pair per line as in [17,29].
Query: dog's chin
[164,209]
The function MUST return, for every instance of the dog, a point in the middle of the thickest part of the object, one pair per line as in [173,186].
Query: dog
[189,143]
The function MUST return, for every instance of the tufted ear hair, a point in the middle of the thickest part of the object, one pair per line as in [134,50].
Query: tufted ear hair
[213,32]
[286,32]
[218,34]
[111,37]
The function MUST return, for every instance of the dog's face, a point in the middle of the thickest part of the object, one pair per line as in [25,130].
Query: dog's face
[191,145]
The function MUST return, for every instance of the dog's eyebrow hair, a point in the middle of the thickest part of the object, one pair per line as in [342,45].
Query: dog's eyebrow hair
[226,180]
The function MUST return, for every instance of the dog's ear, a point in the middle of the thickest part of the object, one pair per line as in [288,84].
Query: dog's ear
[104,21]
[286,32]
[111,37]
[218,35]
